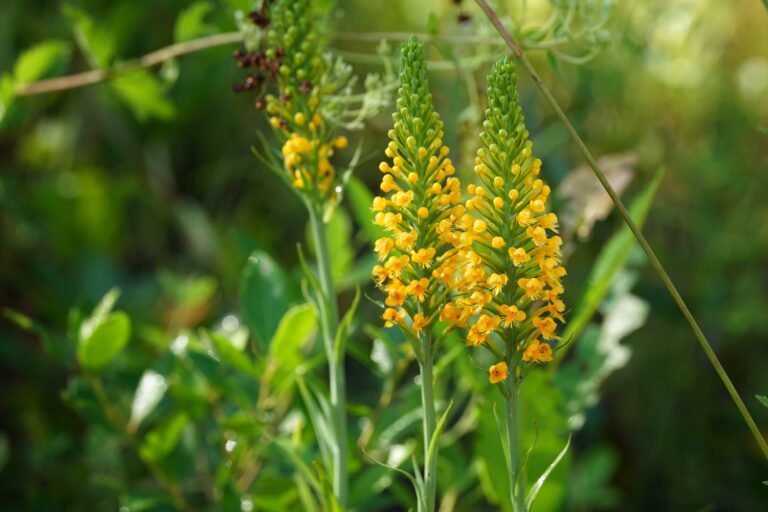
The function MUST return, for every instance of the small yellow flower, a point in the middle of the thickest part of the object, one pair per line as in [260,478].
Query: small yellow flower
[419,322]
[512,315]
[537,352]
[496,282]
[498,372]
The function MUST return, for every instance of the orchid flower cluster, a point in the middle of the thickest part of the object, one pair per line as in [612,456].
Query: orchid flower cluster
[489,264]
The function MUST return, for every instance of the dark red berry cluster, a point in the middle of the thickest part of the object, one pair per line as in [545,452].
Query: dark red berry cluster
[264,69]
[462,17]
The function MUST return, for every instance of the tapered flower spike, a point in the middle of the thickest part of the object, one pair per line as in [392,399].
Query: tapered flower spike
[510,250]
[299,67]
[420,202]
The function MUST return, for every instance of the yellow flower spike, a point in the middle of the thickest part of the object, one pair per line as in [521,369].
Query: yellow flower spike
[420,193]
[507,247]
[498,372]
[417,201]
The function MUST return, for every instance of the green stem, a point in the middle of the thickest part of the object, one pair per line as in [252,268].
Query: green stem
[655,263]
[329,321]
[430,422]
[516,479]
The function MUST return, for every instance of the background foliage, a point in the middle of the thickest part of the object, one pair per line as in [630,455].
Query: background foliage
[147,183]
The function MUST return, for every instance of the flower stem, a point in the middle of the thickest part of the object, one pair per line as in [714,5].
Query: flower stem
[516,479]
[329,321]
[430,421]
[654,261]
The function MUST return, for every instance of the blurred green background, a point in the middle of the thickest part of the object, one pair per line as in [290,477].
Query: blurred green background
[160,196]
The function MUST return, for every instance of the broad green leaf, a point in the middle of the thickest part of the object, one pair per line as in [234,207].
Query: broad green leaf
[43,60]
[94,38]
[161,440]
[610,260]
[143,94]
[763,399]
[360,199]
[99,344]
[191,22]
[263,296]
[149,392]
[296,327]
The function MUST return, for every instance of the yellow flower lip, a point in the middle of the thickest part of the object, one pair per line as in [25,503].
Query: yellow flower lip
[498,372]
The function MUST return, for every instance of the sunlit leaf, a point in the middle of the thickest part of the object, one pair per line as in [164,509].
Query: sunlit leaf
[43,60]
[763,399]
[143,94]
[150,391]
[263,296]
[94,38]
[191,22]
[296,327]
[99,344]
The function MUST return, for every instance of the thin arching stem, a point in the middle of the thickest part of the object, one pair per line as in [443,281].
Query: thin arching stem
[151,59]
[654,261]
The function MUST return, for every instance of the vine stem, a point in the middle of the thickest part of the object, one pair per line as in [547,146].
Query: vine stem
[430,421]
[329,321]
[654,261]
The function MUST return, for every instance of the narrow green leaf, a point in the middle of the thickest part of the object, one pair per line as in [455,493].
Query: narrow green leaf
[341,332]
[54,346]
[293,455]
[610,260]
[191,24]
[43,60]
[415,479]
[161,441]
[94,39]
[763,399]
[318,407]
[432,450]
[99,344]
[543,478]
[296,327]
[263,296]
[763,129]
[143,94]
